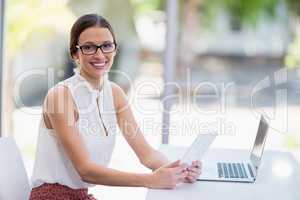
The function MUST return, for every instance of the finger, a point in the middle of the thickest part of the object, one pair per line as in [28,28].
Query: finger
[186,180]
[180,177]
[199,164]
[193,177]
[193,180]
[196,163]
[180,168]
[189,179]
[181,180]
[194,174]
[193,169]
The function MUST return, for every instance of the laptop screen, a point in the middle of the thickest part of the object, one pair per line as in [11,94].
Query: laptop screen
[259,143]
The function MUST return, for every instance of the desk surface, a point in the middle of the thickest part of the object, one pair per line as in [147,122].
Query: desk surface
[278,178]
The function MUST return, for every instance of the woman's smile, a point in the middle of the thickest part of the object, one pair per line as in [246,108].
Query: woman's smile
[100,65]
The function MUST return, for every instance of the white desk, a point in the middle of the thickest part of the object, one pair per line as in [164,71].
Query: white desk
[270,184]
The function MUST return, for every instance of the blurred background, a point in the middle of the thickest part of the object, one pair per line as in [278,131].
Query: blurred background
[236,59]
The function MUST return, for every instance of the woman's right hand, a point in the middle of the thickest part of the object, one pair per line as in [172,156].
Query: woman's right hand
[168,176]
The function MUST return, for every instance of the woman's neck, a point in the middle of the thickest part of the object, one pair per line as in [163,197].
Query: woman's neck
[96,83]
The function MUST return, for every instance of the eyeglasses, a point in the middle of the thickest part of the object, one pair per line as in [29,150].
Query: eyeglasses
[91,49]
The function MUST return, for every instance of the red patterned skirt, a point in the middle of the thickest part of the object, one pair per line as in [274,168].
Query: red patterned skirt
[59,192]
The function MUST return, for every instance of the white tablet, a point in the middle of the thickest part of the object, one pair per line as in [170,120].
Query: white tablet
[198,147]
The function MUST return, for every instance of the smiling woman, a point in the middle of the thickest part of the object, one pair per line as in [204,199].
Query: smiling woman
[78,126]
[88,35]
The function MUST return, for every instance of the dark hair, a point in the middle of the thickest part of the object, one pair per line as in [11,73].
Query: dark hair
[83,23]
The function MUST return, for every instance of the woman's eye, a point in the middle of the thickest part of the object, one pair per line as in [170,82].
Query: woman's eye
[107,45]
[87,47]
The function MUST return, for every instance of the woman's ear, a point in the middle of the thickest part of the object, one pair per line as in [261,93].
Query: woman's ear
[76,58]
[115,53]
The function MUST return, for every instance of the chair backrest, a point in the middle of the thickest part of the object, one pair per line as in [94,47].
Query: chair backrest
[14,183]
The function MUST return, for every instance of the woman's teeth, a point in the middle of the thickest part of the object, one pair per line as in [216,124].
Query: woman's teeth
[99,64]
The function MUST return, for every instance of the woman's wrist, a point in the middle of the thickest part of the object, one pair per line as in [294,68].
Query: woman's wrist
[148,180]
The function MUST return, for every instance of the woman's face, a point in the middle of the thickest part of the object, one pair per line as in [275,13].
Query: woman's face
[96,65]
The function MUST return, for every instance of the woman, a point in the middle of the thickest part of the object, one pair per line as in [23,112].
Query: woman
[78,128]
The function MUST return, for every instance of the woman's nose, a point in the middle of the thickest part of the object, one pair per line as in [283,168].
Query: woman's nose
[99,53]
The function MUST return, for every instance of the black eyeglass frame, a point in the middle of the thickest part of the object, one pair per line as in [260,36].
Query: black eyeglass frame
[97,47]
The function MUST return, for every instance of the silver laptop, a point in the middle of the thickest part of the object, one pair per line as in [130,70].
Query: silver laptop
[238,170]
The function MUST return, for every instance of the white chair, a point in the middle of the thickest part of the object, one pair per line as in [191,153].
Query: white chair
[14,183]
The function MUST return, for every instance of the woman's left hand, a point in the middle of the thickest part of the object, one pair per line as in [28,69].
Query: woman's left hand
[194,171]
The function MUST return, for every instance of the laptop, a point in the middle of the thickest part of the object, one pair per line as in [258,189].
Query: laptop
[234,170]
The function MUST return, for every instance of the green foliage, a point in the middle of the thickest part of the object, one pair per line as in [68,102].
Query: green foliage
[294,6]
[247,12]
[250,11]
[208,11]
[144,6]
[292,58]
[244,12]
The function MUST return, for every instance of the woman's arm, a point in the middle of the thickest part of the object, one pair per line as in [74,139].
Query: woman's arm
[59,109]
[154,160]
[148,156]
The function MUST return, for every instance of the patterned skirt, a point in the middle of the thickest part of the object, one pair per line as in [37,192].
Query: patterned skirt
[59,192]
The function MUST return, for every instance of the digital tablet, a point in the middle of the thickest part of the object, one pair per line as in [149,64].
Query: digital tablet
[198,147]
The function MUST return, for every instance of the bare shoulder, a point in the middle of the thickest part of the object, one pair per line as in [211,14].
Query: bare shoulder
[117,90]
[119,96]
[58,92]
[58,99]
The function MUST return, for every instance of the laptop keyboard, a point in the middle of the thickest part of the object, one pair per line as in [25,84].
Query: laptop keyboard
[234,170]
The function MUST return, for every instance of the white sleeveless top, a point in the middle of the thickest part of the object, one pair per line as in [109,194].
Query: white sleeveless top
[97,127]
